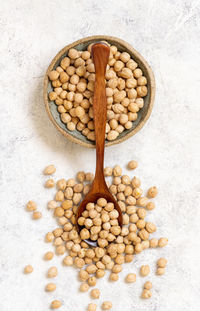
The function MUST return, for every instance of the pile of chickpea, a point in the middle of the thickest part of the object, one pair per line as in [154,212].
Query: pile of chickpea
[115,245]
[73,87]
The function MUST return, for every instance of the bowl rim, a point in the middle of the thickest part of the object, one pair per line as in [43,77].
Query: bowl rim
[127,46]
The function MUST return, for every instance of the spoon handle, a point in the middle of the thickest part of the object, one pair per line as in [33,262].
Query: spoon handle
[100,54]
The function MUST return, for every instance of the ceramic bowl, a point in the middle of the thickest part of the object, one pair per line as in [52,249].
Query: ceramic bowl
[143,114]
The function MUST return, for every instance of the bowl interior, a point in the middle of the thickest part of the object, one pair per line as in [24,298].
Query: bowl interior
[142,112]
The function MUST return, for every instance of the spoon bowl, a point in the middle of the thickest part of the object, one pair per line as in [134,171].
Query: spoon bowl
[99,189]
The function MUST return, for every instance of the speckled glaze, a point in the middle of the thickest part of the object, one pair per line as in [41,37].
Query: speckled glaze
[143,114]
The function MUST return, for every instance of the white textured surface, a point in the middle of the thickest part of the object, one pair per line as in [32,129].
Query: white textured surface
[167,35]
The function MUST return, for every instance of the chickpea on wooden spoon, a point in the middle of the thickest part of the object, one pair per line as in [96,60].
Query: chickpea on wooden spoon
[99,189]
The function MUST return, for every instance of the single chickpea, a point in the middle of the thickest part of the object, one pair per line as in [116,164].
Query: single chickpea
[112,135]
[153,243]
[31,206]
[131,278]
[95,293]
[36,215]
[56,304]
[118,65]
[28,269]
[162,262]
[49,237]
[49,170]
[68,261]
[106,305]
[50,287]
[53,75]
[137,73]
[117,171]
[73,53]
[160,271]
[48,255]
[108,171]
[52,96]
[114,277]
[148,285]
[162,242]
[92,307]
[65,62]
[85,55]
[152,192]
[92,281]
[141,91]
[146,294]
[142,80]
[100,273]
[144,270]
[126,73]
[52,272]
[49,183]
[83,275]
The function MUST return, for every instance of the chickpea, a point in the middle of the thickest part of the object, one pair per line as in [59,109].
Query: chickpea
[36,215]
[49,237]
[53,75]
[144,270]
[161,262]
[95,293]
[118,65]
[146,294]
[126,73]
[92,281]
[52,272]
[160,271]
[49,170]
[142,91]
[52,96]
[100,273]
[112,135]
[65,62]
[92,307]
[106,305]
[132,165]
[131,278]
[108,171]
[152,192]
[153,243]
[28,269]
[162,242]
[148,285]
[68,261]
[48,255]
[56,304]
[31,206]
[50,287]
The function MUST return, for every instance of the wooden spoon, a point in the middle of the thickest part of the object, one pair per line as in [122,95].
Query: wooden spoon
[99,189]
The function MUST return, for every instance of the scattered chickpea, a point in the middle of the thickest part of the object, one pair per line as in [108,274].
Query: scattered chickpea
[162,262]
[144,270]
[28,269]
[148,285]
[95,293]
[49,170]
[48,256]
[106,305]
[50,287]
[52,272]
[92,307]
[31,206]
[160,271]
[131,278]
[49,183]
[162,242]
[84,287]
[36,215]
[152,192]
[132,165]
[56,304]
[146,294]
